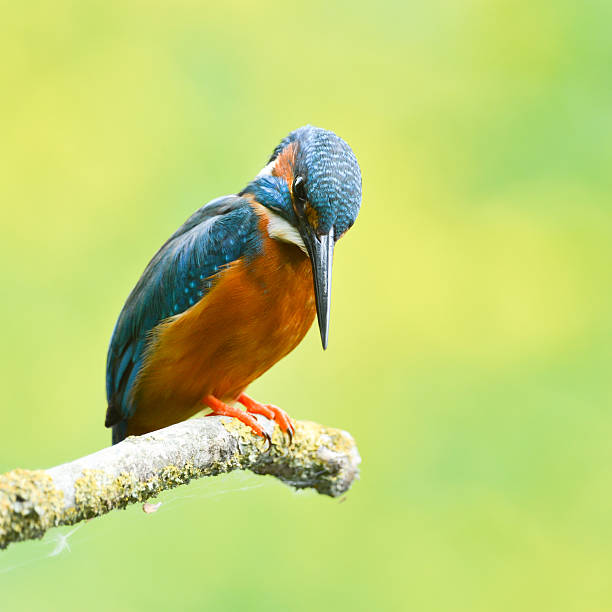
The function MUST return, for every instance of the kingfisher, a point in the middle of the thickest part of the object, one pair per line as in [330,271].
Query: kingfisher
[233,291]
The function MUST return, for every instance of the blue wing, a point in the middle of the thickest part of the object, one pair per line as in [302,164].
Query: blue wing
[177,277]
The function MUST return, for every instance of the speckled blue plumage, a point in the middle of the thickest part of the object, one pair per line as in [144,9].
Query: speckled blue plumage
[332,178]
[177,277]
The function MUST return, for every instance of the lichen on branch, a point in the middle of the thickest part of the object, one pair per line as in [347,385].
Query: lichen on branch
[31,502]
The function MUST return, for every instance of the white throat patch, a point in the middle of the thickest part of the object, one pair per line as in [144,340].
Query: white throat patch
[280,229]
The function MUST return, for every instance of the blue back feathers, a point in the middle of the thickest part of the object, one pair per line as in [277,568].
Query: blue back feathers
[177,277]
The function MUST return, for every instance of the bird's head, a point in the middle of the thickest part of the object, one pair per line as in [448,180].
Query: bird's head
[312,189]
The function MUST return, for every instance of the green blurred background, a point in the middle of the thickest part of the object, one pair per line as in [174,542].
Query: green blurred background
[472,309]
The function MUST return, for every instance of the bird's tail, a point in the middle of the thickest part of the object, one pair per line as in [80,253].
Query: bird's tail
[114,420]
[119,431]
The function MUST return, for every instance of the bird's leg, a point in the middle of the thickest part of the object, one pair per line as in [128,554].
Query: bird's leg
[221,409]
[274,413]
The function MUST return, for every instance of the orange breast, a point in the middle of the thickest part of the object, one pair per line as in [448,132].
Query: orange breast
[257,311]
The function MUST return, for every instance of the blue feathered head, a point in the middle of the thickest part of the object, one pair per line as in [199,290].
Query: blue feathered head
[312,184]
[314,170]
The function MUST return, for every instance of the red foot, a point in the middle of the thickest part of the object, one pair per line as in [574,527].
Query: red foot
[270,412]
[221,409]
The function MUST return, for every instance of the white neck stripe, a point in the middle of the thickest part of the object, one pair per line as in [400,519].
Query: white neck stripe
[280,229]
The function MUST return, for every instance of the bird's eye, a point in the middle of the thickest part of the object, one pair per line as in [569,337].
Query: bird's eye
[299,190]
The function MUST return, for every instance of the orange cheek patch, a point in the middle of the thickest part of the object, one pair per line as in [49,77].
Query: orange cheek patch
[311,215]
[285,163]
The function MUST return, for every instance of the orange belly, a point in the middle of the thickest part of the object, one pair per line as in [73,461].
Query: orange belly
[256,312]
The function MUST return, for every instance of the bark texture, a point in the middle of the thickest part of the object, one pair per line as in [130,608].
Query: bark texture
[33,501]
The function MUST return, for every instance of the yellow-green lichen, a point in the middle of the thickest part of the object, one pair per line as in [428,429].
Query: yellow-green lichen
[245,433]
[322,458]
[29,505]
[96,493]
[317,457]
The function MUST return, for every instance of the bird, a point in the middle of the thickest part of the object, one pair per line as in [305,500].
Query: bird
[233,291]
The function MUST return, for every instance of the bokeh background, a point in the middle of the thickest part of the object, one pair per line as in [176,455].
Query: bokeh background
[472,308]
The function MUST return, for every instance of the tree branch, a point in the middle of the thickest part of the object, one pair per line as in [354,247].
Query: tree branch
[31,502]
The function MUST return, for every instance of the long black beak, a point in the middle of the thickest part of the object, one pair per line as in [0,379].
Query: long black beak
[321,252]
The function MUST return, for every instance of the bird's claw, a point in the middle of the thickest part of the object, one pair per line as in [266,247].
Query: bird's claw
[274,413]
[268,439]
